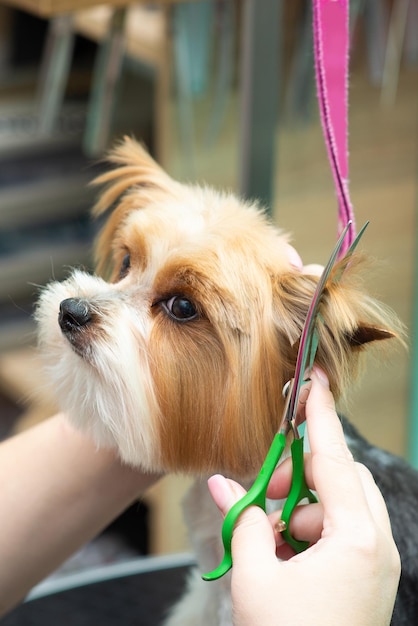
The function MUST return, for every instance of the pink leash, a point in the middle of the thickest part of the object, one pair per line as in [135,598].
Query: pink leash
[331,51]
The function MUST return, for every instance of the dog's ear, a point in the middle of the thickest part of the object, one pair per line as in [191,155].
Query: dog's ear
[364,333]
[135,181]
[349,320]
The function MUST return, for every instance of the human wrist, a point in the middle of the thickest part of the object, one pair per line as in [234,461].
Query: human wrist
[103,464]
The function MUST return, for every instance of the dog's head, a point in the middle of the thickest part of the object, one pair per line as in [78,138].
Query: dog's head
[179,354]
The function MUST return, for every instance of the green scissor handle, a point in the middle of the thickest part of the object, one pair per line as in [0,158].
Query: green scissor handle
[298,492]
[256,496]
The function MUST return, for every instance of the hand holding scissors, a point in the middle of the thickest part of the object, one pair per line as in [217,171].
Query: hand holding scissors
[298,490]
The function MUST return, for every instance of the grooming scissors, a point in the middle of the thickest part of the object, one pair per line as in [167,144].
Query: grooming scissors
[299,490]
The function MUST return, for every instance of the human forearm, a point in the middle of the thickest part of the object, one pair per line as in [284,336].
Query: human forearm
[57,492]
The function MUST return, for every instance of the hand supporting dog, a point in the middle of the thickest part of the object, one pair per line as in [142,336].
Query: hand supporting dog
[350,573]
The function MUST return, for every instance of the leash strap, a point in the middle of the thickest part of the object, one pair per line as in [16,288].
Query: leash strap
[331,50]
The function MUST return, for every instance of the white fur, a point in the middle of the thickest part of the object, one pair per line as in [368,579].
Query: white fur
[108,394]
[207,603]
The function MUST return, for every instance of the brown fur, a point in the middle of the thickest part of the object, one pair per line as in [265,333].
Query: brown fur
[218,378]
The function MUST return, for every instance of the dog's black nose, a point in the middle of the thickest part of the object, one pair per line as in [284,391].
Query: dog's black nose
[74,313]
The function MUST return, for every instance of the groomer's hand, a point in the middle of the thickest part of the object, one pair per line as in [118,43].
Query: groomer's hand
[350,573]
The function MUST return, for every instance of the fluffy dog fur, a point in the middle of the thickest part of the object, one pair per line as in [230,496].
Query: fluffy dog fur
[178,355]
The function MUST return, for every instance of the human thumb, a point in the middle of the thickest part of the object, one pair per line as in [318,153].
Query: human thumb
[253,542]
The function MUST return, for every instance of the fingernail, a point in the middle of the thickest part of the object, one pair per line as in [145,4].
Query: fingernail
[221,492]
[294,258]
[321,376]
[304,392]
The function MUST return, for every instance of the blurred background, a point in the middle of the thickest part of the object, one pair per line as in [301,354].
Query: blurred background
[221,92]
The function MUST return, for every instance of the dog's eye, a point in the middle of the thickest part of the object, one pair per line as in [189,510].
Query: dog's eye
[125,266]
[180,308]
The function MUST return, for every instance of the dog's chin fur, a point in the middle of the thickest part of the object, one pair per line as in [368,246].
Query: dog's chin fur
[191,337]
[103,382]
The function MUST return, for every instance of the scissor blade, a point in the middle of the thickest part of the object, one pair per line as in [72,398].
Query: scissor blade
[309,340]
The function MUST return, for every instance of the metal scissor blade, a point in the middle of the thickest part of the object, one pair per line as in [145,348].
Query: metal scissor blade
[309,341]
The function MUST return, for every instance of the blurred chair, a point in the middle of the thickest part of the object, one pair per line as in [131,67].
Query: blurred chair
[141,34]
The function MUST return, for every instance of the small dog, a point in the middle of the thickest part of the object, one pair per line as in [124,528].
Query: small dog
[177,357]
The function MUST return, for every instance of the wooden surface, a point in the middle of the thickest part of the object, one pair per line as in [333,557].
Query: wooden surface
[145,30]
[50,8]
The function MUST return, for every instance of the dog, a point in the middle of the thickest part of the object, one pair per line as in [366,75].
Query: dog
[176,351]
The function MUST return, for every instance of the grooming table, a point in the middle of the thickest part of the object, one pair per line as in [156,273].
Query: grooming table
[136,592]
